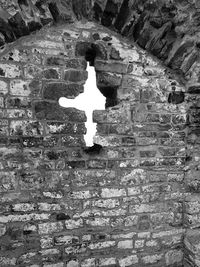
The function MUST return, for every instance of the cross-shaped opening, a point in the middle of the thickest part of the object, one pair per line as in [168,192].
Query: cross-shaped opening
[91,99]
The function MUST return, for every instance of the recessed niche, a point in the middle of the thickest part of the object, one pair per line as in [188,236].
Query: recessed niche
[91,99]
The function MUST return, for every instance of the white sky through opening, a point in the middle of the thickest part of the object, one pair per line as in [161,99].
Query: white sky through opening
[88,101]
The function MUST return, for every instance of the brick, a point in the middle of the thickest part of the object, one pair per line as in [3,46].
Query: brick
[139,244]
[73,263]
[131,220]
[134,177]
[81,194]
[44,44]
[48,207]
[66,128]
[157,207]
[26,128]
[66,240]
[52,111]
[10,70]
[24,218]
[46,242]
[53,91]
[19,88]
[8,181]
[103,203]
[23,207]
[133,191]
[88,263]
[3,87]
[107,261]
[111,192]
[49,228]
[125,244]
[128,261]
[75,76]
[71,141]
[115,67]
[98,222]
[152,259]
[73,224]
[102,245]
[18,102]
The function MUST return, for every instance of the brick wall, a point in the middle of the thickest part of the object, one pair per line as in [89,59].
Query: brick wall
[125,205]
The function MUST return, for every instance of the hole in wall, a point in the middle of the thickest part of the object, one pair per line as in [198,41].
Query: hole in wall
[91,99]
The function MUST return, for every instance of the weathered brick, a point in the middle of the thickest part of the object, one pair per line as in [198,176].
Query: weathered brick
[128,261]
[50,227]
[125,244]
[53,91]
[115,67]
[26,128]
[75,76]
[25,217]
[152,259]
[10,70]
[52,111]
[66,240]
[73,224]
[112,192]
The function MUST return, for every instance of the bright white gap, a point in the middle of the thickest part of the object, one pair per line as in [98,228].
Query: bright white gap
[91,99]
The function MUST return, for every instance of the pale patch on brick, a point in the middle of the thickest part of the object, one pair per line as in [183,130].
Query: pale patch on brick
[125,244]
[10,71]
[107,262]
[88,263]
[168,233]
[24,207]
[139,243]
[3,87]
[24,217]
[128,261]
[81,194]
[49,251]
[112,192]
[101,245]
[48,207]
[98,222]
[19,87]
[73,224]
[173,257]
[46,242]
[56,195]
[133,191]
[152,258]
[48,228]
[124,236]
[73,263]
[66,240]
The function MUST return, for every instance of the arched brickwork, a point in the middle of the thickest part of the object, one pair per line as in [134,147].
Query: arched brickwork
[124,206]
[167,29]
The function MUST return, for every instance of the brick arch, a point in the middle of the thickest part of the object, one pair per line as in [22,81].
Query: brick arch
[130,196]
[29,133]
[166,29]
